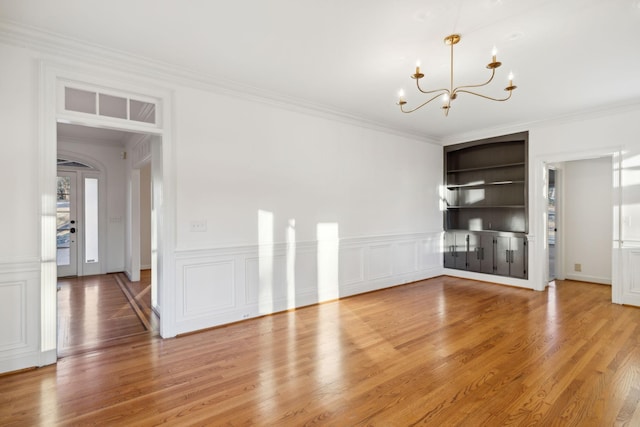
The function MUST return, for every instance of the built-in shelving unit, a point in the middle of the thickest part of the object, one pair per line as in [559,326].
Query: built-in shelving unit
[485,192]
[485,185]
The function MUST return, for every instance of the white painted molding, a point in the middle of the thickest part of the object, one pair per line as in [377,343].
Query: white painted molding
[219,285]
[576,116]
[19,265]
[590,279]
[381,238]
[77,50]
[490,278]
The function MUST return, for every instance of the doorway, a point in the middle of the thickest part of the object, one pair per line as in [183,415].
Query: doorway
[579,219]
[98,305]
[148,110]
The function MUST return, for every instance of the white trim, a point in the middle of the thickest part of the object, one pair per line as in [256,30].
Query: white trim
[590,279]
[20,265]
[50,74]
[279,246]
[576,116]
[225,284]
[538,210]
[489,278]
[102,57]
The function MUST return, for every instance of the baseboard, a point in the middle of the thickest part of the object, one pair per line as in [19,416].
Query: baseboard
[590,279]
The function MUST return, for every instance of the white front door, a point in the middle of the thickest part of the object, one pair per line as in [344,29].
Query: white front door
[67,224]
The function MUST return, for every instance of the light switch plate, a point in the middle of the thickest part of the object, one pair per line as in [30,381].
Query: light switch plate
[198,225]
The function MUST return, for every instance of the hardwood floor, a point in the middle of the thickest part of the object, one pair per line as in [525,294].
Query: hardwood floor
[100,311]
[440,352]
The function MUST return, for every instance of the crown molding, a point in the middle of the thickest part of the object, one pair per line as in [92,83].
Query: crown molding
[74,50]
[576,116]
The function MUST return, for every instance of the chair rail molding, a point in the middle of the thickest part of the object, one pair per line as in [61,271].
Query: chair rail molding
[222,285]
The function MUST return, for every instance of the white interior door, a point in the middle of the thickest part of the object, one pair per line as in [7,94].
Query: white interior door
[67,224]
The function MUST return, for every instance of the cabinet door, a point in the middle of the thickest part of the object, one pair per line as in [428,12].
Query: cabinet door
[502,255]
[487,250]
[461,251]
[449,250]
[518,257]
[474,256]
[455,250]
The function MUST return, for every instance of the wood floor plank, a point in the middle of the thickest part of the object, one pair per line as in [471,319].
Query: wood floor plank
[99,311]
[444,351]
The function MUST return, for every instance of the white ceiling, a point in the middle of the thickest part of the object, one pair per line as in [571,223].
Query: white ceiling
[352,56]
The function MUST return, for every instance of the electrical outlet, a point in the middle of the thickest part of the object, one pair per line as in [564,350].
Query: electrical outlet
[577,267]
[198,225]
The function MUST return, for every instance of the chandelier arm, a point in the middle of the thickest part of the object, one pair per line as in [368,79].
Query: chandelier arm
[442,91]
[485,96]
[493,73]
[419,106]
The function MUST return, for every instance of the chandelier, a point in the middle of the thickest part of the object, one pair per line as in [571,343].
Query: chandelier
[452,92]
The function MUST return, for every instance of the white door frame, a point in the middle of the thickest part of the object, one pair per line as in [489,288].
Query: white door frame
[50,115]
[540,186]
[559,259]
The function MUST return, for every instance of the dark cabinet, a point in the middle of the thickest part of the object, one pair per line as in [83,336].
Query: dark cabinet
[455,254]
[481,253]
[511,256]
[486,185]
[490,253]
[486,205]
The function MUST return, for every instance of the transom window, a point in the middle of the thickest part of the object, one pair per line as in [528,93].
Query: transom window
[105,103]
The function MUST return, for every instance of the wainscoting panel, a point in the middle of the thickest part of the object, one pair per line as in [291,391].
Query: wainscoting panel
[19,316]
[405,258]
[631,278]
[430,251]
[14,312]
[205,285]
[352,265]
[380,261]
[224,285]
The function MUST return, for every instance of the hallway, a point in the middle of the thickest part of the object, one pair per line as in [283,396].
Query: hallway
[101,311]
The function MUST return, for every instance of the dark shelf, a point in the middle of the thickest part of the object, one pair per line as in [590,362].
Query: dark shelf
[507,165]
[488,207]
[486,184]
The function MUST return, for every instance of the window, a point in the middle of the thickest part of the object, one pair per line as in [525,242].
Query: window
[91,220]
[118,106]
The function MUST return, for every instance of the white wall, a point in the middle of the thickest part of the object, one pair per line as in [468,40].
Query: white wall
[613,132]
[108,154]
[236,158]
[19,151]
[365,203]
[587,219]
[298,209]
[20,213]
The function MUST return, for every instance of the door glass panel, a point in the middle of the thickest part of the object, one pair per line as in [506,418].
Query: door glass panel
[113,106]
[79,100]
[91,220]
[142,111]
[63,218]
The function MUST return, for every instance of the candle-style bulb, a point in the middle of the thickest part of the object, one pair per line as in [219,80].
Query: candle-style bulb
[494,52]
[401,94]
[445,98]
[418,66]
